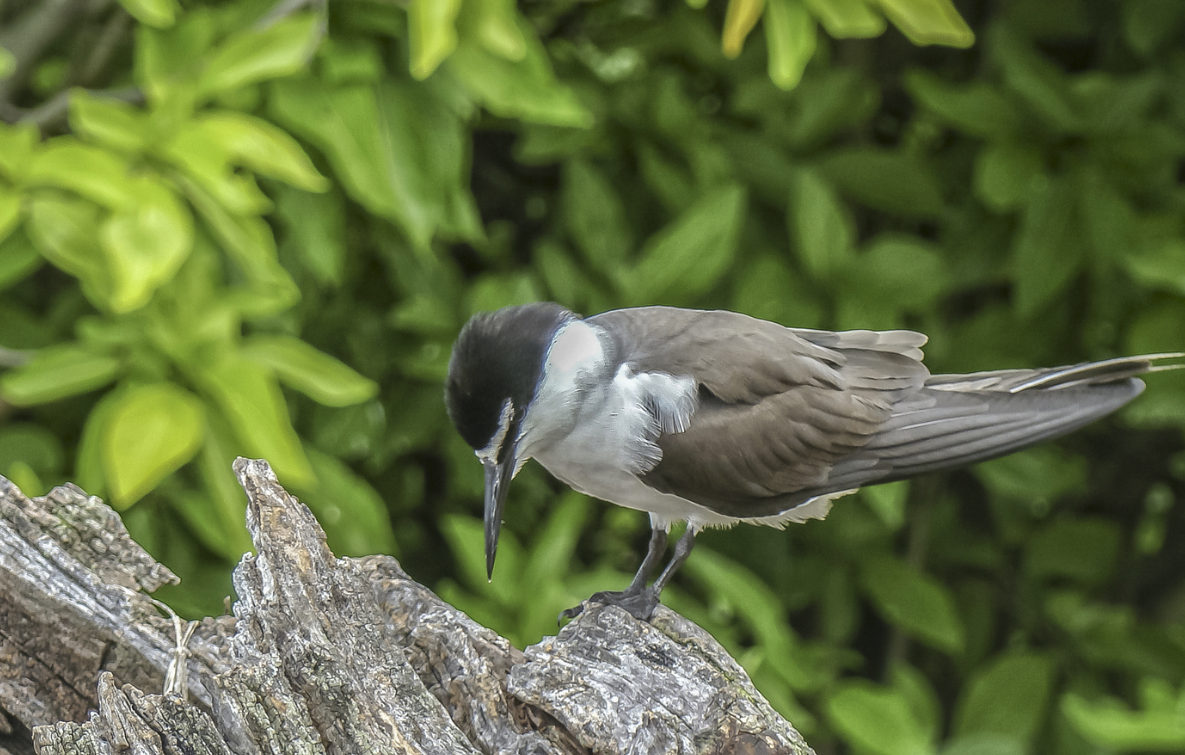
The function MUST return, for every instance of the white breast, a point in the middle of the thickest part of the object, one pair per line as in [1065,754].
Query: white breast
[594,429]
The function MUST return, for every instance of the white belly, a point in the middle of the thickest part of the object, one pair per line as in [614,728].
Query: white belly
[596,434]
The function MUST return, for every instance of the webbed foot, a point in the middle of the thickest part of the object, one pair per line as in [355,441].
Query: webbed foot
[638,603]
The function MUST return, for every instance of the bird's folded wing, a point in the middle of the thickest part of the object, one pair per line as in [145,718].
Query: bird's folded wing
[778,407]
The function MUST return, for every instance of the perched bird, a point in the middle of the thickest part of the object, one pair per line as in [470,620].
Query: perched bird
[715,418]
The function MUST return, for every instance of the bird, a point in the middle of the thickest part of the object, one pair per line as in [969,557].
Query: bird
[715,417]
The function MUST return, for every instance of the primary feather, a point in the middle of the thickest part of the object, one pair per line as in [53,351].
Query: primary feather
[788,415]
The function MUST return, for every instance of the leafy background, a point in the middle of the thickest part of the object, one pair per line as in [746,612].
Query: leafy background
[209,209]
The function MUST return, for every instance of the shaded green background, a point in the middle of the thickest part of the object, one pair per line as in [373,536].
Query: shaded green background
[244,228]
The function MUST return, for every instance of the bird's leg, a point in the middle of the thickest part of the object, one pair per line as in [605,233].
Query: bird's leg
[658,546]
[682,551]
[638,599]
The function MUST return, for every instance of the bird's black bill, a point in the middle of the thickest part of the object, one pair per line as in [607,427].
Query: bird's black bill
[498,475]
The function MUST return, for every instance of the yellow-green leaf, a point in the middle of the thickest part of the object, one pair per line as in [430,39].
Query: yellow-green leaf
[263,148]
[846,19]
[92,172]
[309,370]
[108,122]
[929,22]
[257,55]
[158,13]
[57,372]
[250,399]
[495,24]
[739,20]
[791,35]
[17,145]
[10,211]
[151,431]
[66,232]
[145,244]
[433,33]
[7,63]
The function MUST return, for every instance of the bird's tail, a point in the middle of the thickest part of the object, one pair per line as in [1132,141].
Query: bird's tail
[960,419]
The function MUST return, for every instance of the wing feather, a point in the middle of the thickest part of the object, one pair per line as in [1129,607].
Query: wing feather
[786,416]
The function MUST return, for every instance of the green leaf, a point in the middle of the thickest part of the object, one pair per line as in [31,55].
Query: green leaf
[877,720]
[1008,696]
[767,288]
[18,259]
[249,242]
[466,539]
[1106,723]
[929,22]
[33,445]
[310,371]
[889,180]
[526,89]
[900,271]
[888,502]
[1041,472]
[145,244]
[1081,548]
[168,60]
[88,462]
[316,231]
[914,601]
[689,255]
[791,37]
[920,695]
[1149,24]
[1005,175]
[18,144]
[1048,252]
[764,613]
[254,55]
[151,431]
[977,108]
[92,172]
[250,399]
[10,213]
[262,147]
[399,151]
[432,33]
[7,63]
[353,514]
[595,216]
[1038,82]
[108,122]
[219,517]
[66,232]
[158,13]
[820,226]
[495,23]
[985,744]
[846,19]
[1161,267]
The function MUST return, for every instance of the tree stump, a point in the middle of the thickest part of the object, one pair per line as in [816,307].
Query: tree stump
[328,655]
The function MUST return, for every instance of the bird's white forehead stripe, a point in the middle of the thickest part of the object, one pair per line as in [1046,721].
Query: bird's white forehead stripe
[490,452]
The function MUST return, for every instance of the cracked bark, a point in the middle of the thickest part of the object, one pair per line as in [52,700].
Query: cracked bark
[327,655]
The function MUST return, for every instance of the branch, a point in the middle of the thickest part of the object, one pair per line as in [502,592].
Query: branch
[336,655]
[27,36]
[53,111]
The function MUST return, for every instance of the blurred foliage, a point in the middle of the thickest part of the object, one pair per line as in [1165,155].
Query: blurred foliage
[208,210]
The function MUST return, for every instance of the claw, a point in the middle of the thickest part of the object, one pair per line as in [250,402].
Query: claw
[637,603]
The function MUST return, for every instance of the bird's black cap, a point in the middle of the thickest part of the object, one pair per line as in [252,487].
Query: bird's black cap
[498,355]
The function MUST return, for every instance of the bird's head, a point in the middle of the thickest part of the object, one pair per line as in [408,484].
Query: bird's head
[493,374]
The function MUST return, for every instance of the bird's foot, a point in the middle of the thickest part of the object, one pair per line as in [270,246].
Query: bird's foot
[638,603]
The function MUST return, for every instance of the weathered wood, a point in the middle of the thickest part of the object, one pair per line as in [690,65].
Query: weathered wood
[327,655]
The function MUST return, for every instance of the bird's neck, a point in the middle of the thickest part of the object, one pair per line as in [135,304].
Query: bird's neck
[575,365]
